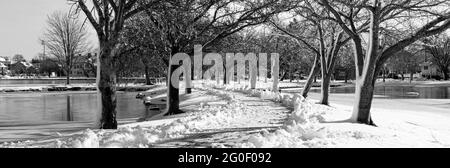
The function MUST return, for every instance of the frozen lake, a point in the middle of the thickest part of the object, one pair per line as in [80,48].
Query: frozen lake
[27,82]
[63,106]
[393,92]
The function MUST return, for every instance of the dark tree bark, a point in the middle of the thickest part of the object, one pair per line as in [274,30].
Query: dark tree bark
[325,86]
[107,88]
[327,63]
[411,77]
[346,76]
[283,76]
[68,76]
[363,100]
[445,72]
[173,99]
[365,82]
[108,19]
[369,62]
[311,78]
[147,76]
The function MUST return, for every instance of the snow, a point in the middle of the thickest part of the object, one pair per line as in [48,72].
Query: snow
[236,116]
[313,125]
[224,113]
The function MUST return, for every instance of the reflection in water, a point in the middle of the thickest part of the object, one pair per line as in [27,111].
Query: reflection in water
[69,118]
[64,107]
[401,91]
[43,81]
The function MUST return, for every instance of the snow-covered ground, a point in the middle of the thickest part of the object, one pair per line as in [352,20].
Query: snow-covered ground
[235,116]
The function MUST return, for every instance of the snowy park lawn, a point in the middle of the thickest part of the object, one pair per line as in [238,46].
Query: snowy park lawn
[235,116]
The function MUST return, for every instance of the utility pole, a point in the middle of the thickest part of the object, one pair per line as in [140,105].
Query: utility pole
[43,53]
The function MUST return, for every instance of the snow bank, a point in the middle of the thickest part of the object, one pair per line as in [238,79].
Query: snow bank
[309,125]
[314,125]
[145,134]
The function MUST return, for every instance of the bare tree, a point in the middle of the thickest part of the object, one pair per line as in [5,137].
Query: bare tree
[141,36]
[107,17]
[440,54]
[66,39]
[326,42]
[182,24]
[430,18]
[18,58]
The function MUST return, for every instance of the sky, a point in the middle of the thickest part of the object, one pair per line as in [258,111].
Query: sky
[23,22]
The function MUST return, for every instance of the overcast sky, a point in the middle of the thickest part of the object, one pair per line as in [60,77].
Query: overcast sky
[22,23]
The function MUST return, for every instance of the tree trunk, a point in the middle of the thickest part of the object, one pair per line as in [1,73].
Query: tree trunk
[173,99]
[325,87]
[225,74]
[346,76]
[283,76]
[312,74]
[410,77]
[68,76]
[291,77]
[107,88]
[363,101]
[367,73]
[445,72]
[147,76]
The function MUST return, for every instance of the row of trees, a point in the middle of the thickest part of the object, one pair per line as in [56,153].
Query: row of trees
[367,33]
[175,26]
[376,29]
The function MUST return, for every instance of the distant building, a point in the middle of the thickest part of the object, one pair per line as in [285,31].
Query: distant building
[85,67]
[429,70]
[5,60]
[23,67]
[5,63]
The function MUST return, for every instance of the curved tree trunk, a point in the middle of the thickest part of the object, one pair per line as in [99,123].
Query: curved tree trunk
[366,72]
[314,70]
[283,76]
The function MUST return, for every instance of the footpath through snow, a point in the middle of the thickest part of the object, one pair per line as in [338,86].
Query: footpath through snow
[235,116]
[215,118]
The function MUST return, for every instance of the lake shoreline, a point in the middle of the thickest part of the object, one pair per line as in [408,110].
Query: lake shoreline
[70,88]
